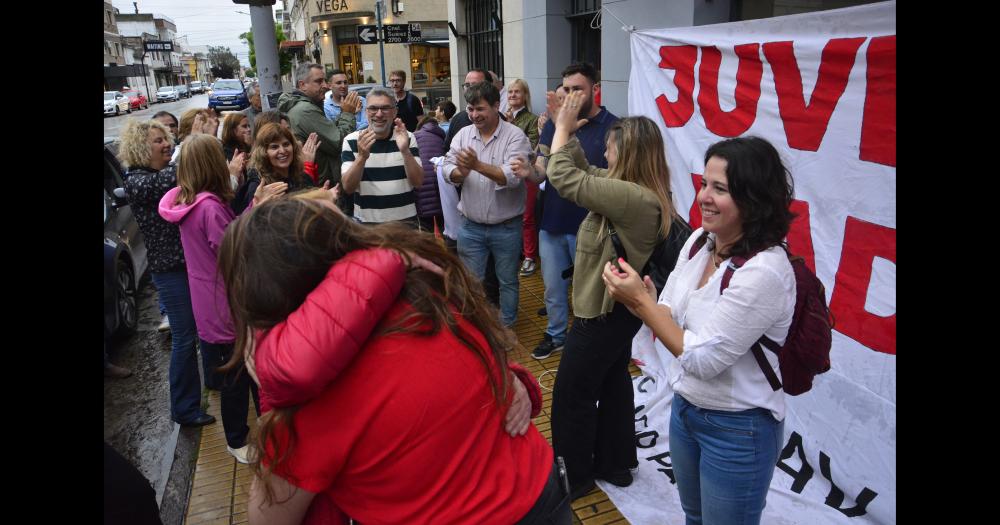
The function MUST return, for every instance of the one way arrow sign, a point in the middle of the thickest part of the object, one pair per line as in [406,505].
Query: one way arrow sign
[367,34]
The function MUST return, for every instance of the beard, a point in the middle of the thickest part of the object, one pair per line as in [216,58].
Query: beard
[585,108]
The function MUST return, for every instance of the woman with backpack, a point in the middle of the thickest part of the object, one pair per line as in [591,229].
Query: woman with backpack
[592,401]
[726,421]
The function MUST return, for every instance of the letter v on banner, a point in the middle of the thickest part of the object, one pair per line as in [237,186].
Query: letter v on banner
[804,124]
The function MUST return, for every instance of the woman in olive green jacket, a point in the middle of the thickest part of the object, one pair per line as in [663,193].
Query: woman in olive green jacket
[592,402]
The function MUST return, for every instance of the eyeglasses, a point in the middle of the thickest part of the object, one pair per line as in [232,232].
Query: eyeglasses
[384,109]
[394,80]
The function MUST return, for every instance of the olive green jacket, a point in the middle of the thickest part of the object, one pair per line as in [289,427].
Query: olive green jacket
[306,116]
[632,208]
[528,122]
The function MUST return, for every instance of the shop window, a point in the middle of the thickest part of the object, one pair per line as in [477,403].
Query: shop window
[430,65]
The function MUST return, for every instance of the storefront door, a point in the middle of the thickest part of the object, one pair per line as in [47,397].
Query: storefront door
[350,62]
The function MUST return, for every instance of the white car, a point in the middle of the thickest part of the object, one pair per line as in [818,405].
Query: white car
[166,93]
[115,102]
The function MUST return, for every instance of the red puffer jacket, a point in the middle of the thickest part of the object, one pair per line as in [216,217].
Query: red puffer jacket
[297,358]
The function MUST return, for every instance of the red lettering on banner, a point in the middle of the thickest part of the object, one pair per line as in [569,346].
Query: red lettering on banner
[863,241]
[799,234]
[681,59]
[748,73]
[878,127]
[804,124]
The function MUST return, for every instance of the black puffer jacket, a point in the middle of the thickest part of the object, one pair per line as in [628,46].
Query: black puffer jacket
[144,188]
[430,142]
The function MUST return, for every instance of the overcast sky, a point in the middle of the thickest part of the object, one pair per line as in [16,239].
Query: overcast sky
[205,22]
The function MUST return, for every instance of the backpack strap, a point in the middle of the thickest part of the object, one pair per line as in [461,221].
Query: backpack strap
[758,353]
[698,243]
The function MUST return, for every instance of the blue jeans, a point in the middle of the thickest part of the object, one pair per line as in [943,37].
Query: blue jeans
[477,241]
[236,388]
[723,461]
[558,251]
[185,384]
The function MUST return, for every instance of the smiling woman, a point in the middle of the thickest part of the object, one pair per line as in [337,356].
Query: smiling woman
[278,158]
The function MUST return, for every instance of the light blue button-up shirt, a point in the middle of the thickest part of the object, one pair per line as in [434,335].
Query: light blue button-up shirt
[332,111]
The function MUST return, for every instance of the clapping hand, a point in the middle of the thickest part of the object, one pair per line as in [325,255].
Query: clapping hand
[236,164]
[401,135]
[266,192]
[365,140]
[625,286]
[521,167]
[334,192]
[310,147]
[467,160]
[199,124]
[352,102]
[552,105]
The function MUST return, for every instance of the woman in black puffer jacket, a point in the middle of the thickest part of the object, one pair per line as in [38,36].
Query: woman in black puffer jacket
[430,142]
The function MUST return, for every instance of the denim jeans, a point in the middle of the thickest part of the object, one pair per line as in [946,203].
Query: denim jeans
[593,411]
[235,387]
[723,461]
[558,252]
[477,241]
[185,384]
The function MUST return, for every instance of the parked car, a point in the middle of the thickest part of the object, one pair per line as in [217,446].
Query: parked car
[228,93]
[125,261]
[115,102]
[167,93]
[183,91]
[197,87]
[137,100]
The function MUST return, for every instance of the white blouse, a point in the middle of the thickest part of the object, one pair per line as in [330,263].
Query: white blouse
[717,371]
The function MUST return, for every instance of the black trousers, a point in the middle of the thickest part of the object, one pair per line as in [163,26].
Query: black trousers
[236,390]
[593,415]
[552,506]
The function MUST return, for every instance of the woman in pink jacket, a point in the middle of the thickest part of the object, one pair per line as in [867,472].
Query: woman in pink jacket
[199,205]
[412,429]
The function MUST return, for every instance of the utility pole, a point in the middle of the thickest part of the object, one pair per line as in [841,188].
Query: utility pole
[379,5]
[265,47]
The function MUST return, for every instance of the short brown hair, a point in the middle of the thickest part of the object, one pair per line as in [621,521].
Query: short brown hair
[400,73]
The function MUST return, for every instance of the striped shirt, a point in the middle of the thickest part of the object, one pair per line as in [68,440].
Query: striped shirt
[385,194]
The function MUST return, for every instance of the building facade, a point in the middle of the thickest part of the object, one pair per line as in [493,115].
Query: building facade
[167,67]
[326,31]
[535,39]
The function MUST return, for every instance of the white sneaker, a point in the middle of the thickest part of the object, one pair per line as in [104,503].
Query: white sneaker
[240,453]
[164,324]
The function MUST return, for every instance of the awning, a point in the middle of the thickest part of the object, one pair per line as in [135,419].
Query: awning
[293,44]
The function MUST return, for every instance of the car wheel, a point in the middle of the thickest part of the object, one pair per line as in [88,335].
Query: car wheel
[129,110]
[128,314]
[117,111]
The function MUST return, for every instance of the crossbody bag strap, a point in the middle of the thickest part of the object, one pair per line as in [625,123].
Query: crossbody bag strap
[758,353]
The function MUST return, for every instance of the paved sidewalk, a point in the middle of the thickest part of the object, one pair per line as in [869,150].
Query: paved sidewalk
[220,486]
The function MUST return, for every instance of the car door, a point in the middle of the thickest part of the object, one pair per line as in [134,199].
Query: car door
[121,221]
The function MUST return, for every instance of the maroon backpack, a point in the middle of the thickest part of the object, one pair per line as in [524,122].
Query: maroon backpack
[806,351]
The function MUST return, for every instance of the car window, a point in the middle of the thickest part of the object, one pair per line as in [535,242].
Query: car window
[109,95]
[112,175]
[227,85]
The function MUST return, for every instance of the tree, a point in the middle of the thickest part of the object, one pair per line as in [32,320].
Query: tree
[284,57]
[223,62]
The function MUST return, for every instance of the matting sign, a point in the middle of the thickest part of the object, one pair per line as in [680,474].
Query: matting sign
[821,87]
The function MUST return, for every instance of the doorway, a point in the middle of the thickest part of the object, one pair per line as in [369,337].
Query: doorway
[350,62]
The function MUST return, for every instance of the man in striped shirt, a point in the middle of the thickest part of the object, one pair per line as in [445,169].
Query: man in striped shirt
[381,164]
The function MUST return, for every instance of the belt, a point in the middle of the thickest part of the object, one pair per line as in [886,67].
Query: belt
[508,221]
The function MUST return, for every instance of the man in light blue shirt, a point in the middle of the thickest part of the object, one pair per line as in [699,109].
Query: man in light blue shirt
[334,97]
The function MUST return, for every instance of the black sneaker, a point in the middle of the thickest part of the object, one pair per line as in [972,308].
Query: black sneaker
[620,478]
[546,348]
[578,491]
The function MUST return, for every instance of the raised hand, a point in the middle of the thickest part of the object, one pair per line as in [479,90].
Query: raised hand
[401,135]
[521,167]
[566,118]
[542,119]
[552,105]
[237,163]
[310,147]
[199,124]
[365,140]
[266,192]
[352,102]
[467,159]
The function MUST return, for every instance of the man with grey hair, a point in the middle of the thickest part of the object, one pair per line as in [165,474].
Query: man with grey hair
[254,109]
[304,107]
[381,164]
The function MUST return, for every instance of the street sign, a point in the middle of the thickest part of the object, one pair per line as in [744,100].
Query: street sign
[367,34]
[401,33]
[158,45]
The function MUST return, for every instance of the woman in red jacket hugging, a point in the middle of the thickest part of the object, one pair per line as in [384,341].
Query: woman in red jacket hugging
[413,428]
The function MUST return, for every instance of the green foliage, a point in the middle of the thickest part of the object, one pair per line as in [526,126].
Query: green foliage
[284,57]
[224,63]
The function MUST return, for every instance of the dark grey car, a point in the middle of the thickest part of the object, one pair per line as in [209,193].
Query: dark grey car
[124,252]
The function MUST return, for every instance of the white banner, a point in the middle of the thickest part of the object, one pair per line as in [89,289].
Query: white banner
[821,87]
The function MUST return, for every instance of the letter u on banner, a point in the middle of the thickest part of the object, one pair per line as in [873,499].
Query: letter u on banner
[748,74]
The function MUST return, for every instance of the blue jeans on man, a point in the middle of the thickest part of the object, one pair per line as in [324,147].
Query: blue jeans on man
[185,384]
[477,241]
[557,251]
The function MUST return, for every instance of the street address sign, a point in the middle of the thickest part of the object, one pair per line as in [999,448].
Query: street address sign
[392,34]
[367,34]
[158,45]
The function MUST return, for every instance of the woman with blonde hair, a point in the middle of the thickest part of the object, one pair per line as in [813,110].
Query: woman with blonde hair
[199,206]
[520,115]
[145,148]
[592,401]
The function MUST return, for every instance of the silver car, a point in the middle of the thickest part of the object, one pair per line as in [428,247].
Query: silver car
[115,102]
[167,93]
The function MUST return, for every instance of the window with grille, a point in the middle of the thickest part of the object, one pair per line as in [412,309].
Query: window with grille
[484,26]
[586,43]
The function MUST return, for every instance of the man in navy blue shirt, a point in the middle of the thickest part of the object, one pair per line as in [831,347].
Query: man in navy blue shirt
[561,218]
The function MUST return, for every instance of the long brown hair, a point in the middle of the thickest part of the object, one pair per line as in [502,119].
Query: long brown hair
[259,160]
[272,257]
[203,167]
[641,160]
[229,127]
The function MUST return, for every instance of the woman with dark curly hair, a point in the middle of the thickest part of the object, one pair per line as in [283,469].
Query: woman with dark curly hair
[726,421]
[406,427]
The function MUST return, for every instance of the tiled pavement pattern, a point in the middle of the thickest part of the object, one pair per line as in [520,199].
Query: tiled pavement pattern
[220,484]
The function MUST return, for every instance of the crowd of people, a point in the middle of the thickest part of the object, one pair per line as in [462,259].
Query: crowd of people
[351,265]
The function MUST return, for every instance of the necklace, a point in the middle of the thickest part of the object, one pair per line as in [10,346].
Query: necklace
[715,259]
